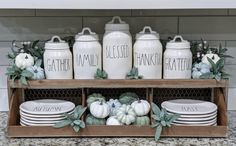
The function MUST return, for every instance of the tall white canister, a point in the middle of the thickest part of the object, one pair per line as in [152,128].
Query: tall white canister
[57,59]
[177,59]
[87,54]
[117,49]
[148,54]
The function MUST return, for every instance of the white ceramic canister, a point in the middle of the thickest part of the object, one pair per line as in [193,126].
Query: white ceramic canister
[117,49]
[148,54]
[57,59]
[87,54]
[177,59]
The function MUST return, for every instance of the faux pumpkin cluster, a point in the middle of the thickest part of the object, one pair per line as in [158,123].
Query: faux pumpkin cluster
[126,110]
[209,62]
[26,62]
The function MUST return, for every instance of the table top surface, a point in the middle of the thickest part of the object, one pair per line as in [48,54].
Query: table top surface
[231,140]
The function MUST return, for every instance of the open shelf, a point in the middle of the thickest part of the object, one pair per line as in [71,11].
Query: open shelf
[148,89]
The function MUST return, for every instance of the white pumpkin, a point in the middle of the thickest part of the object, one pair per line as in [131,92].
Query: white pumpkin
[99,109]
[126,115]
[114,105]
[38,72]
[113,121]
[141,107]
[213,57]
[24,60]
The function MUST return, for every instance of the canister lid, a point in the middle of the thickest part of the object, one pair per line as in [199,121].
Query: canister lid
[119,26]
[178,43]
[147,34]
[86,35]
[56,43]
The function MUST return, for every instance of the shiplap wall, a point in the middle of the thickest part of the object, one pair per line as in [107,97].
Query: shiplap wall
[216,26]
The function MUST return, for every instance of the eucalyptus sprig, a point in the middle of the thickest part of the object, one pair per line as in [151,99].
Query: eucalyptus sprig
[100,74]
[16,73]
[217,71]
[73,119]
[162,119]
[221,52]
[133,74]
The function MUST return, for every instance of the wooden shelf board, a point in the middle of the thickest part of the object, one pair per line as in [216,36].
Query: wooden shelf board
[117,131]
[145,83]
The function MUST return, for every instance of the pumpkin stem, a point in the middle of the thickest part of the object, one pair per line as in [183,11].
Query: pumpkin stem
[113,105]
[139,101]
[101,102]
[26,57]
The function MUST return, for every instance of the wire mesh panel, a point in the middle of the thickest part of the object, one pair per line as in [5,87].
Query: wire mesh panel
[116,92]
[164,94]
[73,95]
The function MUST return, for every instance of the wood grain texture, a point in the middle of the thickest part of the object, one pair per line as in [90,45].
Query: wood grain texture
[110,83]
[118,131]
[222,118]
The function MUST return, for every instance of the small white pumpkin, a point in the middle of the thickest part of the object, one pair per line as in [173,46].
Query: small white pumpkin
[126,115]
[113,121]
[141,107]
[213,57]
[114,104]
[99,109]
[38,72]
[24,60]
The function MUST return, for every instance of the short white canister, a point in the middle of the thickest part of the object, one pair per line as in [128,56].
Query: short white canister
[87,54]
[177,59]
[57,59]
[117,49]
[148,54]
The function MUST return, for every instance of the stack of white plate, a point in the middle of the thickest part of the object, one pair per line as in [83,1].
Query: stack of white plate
[44,112]
[192,112]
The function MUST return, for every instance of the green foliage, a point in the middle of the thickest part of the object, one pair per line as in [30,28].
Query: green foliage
[100,74]
[73,119]
[217,71]
[133,74]
[203,48]
[162,119]
[16,73]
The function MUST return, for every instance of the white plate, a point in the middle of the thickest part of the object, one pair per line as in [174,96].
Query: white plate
[189,106]
[38,122]
[195,122]
[196,116]
[208,124]
[197,119]
[47,107]
[30,124]
[43,116]
[42,119]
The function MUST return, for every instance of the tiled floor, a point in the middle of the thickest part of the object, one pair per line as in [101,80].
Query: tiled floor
[230,141]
